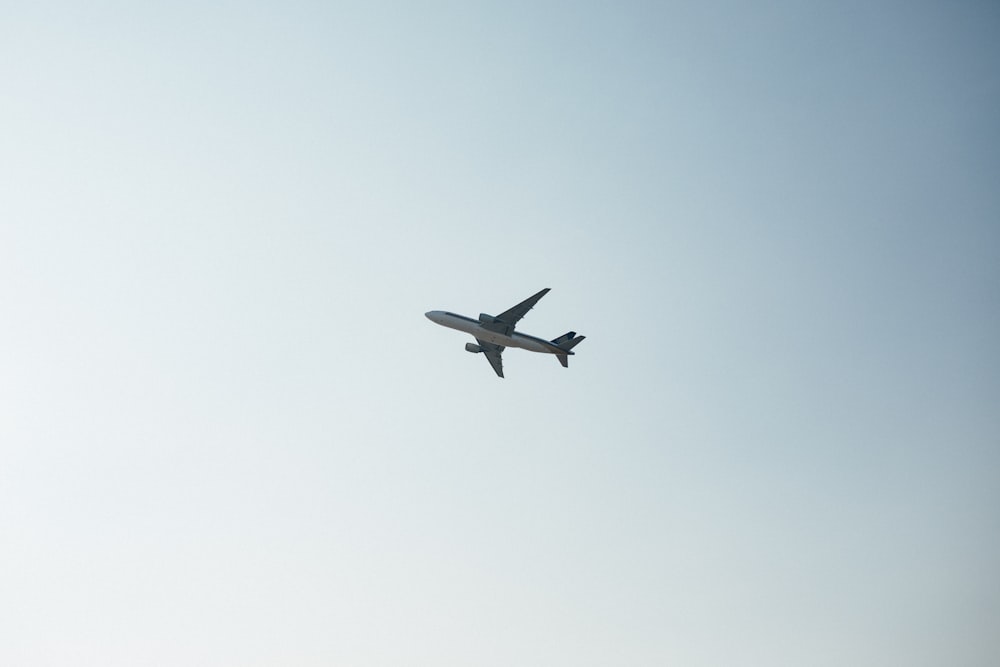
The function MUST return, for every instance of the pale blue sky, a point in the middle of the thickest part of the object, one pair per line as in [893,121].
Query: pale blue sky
[228,436]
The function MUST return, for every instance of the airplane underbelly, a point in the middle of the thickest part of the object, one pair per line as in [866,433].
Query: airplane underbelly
[494,337]
[517,340]
[529,343]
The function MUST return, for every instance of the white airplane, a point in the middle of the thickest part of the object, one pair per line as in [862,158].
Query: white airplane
[493,334]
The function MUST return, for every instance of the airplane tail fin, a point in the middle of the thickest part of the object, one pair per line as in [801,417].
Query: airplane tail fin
[567,342]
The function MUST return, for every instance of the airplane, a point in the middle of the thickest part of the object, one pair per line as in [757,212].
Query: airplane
[495,333]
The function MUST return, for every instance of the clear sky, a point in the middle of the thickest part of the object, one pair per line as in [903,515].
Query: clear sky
[228,436]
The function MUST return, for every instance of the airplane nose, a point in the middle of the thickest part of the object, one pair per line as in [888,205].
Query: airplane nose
[429,315]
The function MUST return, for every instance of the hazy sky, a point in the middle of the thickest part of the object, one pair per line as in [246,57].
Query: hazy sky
[228,436]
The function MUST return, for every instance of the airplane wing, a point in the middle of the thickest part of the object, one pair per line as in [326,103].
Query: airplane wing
[492,353]
[512,316]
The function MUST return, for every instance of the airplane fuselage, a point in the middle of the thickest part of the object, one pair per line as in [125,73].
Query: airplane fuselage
[495,333]
[481,331]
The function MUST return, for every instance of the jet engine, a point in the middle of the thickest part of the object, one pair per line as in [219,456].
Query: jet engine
[472,347]
[486,319]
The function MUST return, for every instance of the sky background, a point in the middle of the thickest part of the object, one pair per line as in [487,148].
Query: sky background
[228,436]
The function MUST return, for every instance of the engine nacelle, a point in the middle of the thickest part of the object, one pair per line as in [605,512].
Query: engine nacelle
[472,347]
[486,319]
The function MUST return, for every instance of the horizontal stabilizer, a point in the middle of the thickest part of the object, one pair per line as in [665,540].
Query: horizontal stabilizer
[567,342]
[568,336]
